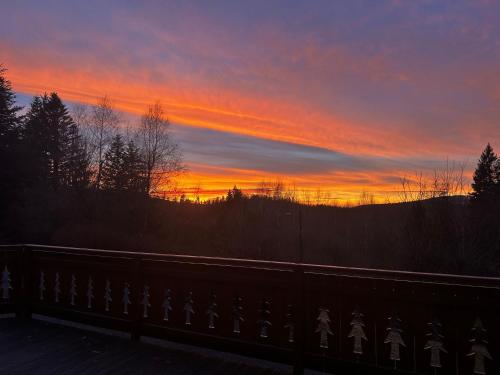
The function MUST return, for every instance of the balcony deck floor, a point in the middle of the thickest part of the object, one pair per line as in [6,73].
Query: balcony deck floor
[41,347]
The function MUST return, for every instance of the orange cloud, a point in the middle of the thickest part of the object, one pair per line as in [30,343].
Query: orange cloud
[196,103]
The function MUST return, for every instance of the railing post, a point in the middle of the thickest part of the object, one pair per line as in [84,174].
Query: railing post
[135,329]
[23,297]
[300,337]
[300,316]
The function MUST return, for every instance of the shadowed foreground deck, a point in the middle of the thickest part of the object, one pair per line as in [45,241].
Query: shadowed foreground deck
[40,347]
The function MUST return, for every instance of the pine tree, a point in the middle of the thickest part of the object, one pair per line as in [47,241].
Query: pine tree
[35,142]
[77,165]
[9,120]
[496,178]
[113,171]
[55,153]
[58,125]
[484,176]
[133,167]
[234,195]
[9,138]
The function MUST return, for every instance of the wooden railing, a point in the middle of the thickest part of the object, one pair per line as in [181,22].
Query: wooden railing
[347,320]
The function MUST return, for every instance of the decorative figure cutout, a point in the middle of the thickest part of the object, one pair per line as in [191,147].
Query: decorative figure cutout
[212,311]
[167,305]
[126,298]
[478,349]
[6,283]
[435,343]
[72,290]
[357,332]
[323,327]
[107,296]
[188,308]
[90,292]
[290,325]
[145,301]
[41,286]
[394,338]
[237,314]
[264,323]
[57,288]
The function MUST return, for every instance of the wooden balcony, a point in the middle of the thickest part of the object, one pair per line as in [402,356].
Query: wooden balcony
[344,320]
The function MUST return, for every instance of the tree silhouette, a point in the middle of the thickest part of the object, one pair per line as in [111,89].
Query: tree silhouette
[55,152]
[162,156]
[103,123]
[133,166]
[485,175]
[113,175]
[9,139]
[122,167]
[234,195]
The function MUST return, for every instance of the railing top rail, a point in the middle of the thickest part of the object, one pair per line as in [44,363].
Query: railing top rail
[386,274]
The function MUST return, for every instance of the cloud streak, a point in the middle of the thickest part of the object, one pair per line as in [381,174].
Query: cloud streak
[284,88]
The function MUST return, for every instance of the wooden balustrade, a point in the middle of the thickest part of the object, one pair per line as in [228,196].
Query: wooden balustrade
[346,320]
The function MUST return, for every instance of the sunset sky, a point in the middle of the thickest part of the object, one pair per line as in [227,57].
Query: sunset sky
[342,96]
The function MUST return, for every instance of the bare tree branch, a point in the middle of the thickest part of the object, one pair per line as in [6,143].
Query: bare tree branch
[162,156]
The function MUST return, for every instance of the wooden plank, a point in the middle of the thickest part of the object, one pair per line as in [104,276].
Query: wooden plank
[46,348]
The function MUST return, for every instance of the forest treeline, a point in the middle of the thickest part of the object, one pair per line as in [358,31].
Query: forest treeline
[71,178]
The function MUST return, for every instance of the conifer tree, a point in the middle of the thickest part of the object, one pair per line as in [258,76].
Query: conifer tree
[35,142]
[9,136]
[54,149]
[77,165]
[9,120]
[133,165]
[57,126]
[122,168]
[484,176]
[113,171]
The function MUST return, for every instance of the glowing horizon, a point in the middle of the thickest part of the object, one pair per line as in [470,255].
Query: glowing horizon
[342,98]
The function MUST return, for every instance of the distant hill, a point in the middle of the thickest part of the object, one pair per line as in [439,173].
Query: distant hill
[432,235]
